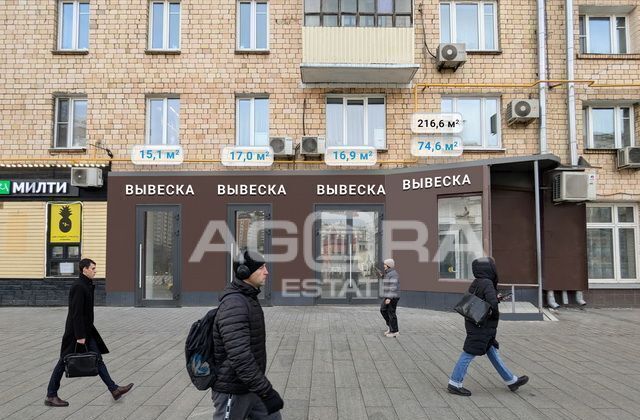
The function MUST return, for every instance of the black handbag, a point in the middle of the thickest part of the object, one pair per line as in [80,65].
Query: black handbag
[78,365]
[473,308]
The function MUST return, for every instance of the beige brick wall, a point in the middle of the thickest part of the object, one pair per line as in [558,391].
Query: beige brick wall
[117,75]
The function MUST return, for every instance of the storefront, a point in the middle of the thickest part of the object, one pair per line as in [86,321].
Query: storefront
[47,226]
[171,235]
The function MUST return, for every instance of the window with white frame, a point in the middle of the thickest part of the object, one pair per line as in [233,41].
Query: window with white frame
[73,25]
[481,117]
[612,238]
[163,121]
[356,121]
[360,13]
[253,25]
[70,123]
[473,23]
[164,25]
[603,34]
[609,127]
[252,121]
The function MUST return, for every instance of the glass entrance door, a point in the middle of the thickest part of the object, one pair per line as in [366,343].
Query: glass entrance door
[158,256]
[348,247]
[245,225]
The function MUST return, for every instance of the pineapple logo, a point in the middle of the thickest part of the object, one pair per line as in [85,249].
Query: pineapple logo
[65,221]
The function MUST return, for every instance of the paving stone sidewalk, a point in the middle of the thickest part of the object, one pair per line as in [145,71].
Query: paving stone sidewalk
[333,362]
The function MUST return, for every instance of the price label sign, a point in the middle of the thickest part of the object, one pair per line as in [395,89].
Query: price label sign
[437,123]
[247,156]
[148,154]
[351,156]
[434,146]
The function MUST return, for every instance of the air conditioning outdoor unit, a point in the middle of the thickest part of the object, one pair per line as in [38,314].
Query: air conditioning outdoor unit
[282,146]
[86,177]
[312,146]
[629,157]
[574,186]
[522,110]
[451,56]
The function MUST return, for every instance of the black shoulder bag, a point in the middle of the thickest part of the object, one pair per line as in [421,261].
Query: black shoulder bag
[473,308]
[77,365]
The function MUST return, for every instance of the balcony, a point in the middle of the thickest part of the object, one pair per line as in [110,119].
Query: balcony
[356,55]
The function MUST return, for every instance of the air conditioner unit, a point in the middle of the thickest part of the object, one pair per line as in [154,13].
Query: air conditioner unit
[282,146]
[312,146]
[629,157]
[86,177]
[522,110]
[574,186]
[451,56]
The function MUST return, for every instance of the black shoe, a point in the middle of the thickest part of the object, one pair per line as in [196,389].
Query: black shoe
[517,384]
[458,391]
[55,402]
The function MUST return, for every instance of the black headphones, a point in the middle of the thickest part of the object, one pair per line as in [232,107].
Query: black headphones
[242,272]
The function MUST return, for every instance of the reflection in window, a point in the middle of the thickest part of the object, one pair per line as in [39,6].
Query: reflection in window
[459,235]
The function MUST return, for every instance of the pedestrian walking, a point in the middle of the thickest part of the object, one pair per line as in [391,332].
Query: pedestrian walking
[80,334]
[241,389]
[390,297]
[481,339]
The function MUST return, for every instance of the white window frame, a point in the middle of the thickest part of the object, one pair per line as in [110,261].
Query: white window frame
[481,25]
[165,118]
[165,26]
[253,36]
[615,226]
[252,118]
[617,127]
[365,98]
[613,26]
[484,120]
[70,122]
[75,31]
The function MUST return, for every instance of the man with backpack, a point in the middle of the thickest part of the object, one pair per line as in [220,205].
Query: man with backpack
[241,388]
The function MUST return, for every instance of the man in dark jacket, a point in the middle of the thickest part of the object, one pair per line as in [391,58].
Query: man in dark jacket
[241,388]
[80,335]
[390,297]
[481,339]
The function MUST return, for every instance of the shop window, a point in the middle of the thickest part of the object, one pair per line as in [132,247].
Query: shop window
[481,118]
[612,238]
[474,24]
[609,127]
[253,25]
[70,131]
[252,122]
[164,25]
[362,13]
[73,25]
[459,235]
[64,239]
[163,121]
[356,121]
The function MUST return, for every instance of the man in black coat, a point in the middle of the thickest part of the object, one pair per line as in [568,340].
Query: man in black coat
[80,335]
[241,388]
[481,339]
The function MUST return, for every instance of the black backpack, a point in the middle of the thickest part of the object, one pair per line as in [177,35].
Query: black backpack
[199,352]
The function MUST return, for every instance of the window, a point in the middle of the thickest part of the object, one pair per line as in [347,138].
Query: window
[459,235]
[609,128]
[481,121]
[356,121]
[73,25]
[163,121]
[70,123]
[362,13]
[64,238]
[252,122]
[253,25]
[473,23]
[612,235]
[164,25]
[603,34]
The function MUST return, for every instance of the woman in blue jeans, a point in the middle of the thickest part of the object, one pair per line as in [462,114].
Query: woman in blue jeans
[481,339]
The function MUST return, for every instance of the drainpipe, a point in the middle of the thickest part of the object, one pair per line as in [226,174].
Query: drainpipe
[551,300]
[542,73]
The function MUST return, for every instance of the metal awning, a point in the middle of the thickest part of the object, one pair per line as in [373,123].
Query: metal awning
[400,74]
